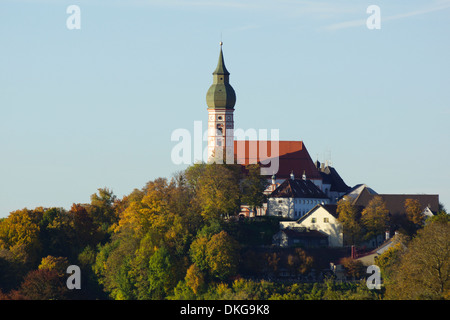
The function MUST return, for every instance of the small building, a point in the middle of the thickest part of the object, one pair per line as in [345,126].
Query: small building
[322,218]
[294,198]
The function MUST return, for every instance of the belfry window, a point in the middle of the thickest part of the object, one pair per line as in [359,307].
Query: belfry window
[220,129]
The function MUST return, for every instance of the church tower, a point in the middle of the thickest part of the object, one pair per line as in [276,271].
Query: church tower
[221,99]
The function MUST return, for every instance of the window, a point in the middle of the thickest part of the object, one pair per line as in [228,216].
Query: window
[313,220]
[325,220]
[280,201]
[220,129]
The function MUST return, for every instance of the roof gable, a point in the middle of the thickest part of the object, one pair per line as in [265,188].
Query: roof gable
[395,203]
[292,157]
[298,188]
[331,209]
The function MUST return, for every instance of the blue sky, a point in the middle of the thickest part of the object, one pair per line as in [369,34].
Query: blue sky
[95,107]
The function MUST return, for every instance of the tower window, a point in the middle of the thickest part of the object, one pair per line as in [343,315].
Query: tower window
[220,129]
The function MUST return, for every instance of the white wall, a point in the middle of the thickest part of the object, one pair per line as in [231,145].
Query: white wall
[332,227]
[293,208]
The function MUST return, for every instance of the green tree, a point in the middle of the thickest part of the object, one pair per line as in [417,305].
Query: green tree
[222,255]
[161,275]
[102,209]
[198,253]
[252,187]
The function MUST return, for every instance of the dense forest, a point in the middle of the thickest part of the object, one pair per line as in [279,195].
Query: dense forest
[179,238]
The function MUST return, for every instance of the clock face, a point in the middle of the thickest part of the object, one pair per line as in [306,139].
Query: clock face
[211,117]
[228,118]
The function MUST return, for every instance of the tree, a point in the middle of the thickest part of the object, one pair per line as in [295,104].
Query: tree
[59,264]
[161,278]
[43,284]
[272,259]
[353,268]
[102,210]
[19,233]
[195,278]
[414,212]
[222,255]
[252,187]
[375,217]
[424,269]
[348,215]
[388,260]
[198,253]
[216,190]
[82,231]
[299,262]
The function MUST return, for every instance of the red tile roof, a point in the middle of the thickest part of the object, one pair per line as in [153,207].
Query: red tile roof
[293,157]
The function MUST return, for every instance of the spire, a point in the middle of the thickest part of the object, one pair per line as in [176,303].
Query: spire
[221,94]
[221,69]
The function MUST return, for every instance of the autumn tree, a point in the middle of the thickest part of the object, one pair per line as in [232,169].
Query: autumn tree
[19,233]
[59,264]
[272,261]
[424,269]
[216,255]
[414,212]
[375,217]
[389,259]
[195,278]
[222,255]
[43,284]
[216,190]
[349,216]
[299,262]
[102,209]
[353,268]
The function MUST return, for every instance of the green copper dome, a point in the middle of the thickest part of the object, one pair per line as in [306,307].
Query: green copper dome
[221,94]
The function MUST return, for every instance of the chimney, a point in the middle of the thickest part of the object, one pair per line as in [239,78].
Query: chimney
[292,175]
[388,235]
[353,252]
[304,175]
[274,181]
